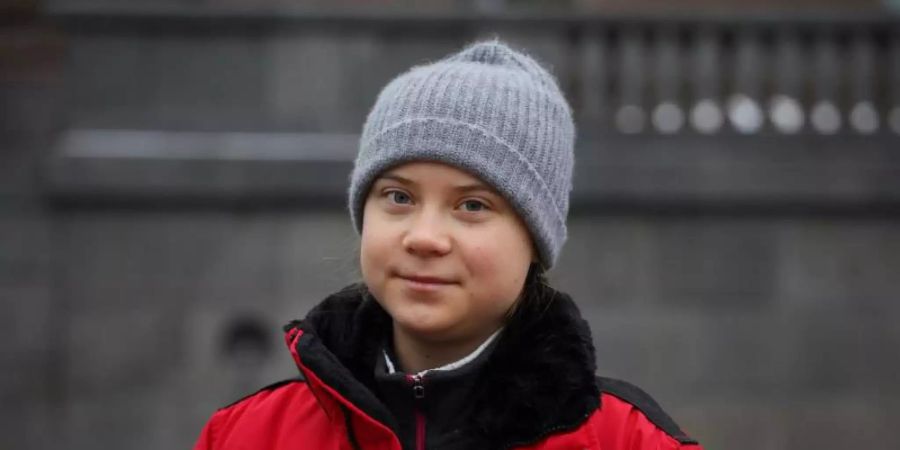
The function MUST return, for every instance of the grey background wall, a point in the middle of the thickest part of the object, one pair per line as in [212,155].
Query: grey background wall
[171,188]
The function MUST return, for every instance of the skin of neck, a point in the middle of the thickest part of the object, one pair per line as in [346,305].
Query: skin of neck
[415,354]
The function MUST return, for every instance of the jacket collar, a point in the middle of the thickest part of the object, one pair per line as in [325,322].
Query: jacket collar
[539,378]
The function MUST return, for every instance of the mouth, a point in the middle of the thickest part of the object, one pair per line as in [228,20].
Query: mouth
[425,282]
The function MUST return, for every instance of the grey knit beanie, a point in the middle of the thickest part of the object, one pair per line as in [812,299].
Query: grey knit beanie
[489,110]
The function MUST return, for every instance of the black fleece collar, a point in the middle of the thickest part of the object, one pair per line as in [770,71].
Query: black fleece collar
[539,378]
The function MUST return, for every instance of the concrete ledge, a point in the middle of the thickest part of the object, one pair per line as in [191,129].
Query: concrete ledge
[169,167]
[750,174]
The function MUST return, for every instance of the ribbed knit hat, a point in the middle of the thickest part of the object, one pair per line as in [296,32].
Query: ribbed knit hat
[489,110]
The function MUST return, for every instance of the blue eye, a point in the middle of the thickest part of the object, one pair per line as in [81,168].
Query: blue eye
[398,197]
[473,206]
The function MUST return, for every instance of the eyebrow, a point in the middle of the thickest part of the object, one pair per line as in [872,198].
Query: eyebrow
[477,186]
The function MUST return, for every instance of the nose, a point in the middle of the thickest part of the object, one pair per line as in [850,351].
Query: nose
[427,235]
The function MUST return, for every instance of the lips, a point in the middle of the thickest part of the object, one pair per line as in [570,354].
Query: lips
[426,279]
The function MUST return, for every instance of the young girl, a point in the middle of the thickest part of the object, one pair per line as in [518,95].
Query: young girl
[453,340]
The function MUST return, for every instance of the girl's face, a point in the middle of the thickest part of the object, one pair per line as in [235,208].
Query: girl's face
[443,253]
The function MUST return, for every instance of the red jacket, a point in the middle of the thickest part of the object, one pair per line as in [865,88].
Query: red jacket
[536,389]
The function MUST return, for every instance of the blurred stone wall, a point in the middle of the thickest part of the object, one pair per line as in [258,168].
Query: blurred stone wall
[747,281]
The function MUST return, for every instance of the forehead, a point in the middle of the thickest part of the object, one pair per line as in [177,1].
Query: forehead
[434,173]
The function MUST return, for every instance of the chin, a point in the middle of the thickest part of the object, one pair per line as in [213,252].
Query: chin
[424,329]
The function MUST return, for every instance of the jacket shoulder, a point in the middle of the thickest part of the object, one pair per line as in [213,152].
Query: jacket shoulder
[266,389]
[229,420]
[643,402]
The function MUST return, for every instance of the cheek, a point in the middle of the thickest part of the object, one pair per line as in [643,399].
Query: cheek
[371,252]
[484,257]
[374,243]
[500,263]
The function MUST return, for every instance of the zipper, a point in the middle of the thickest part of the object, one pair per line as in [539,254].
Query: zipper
[418,386]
